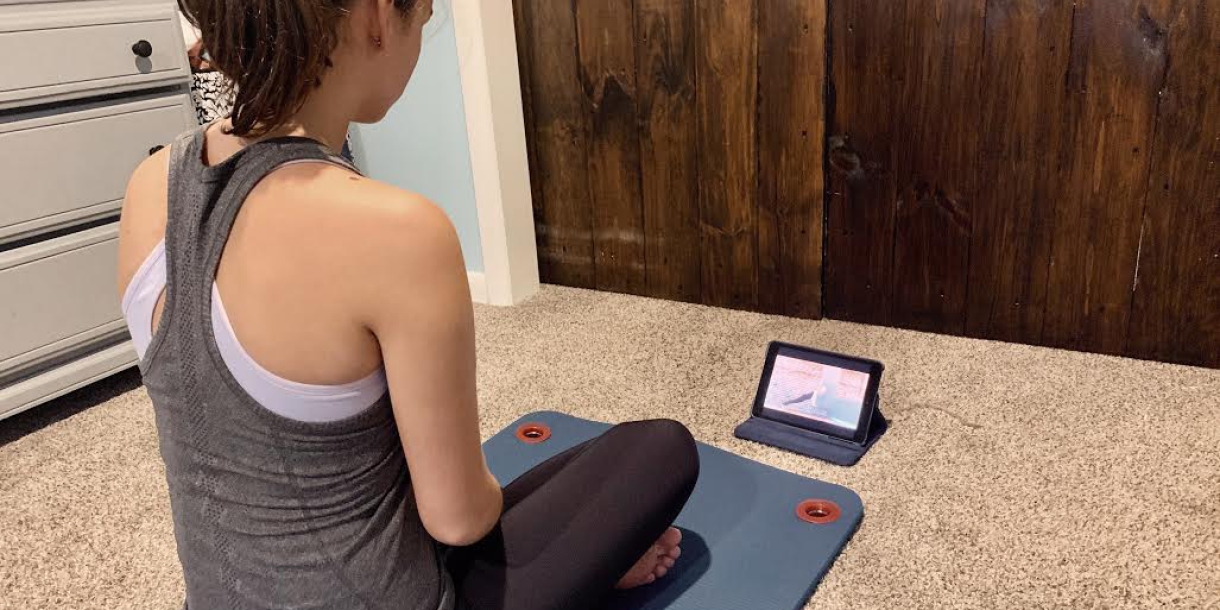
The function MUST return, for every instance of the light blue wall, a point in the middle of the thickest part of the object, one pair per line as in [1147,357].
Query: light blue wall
[421,144]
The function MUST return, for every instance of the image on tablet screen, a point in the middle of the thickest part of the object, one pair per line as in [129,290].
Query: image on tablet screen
[816,391]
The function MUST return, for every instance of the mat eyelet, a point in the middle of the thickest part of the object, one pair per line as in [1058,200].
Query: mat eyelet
[532,433]
[818,512]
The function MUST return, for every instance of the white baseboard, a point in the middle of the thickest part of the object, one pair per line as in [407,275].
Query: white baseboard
[478,286]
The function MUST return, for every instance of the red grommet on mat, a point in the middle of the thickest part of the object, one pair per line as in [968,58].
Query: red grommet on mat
[818,511]
[533,433]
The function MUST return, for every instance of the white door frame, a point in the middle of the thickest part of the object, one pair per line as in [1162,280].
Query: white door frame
[491,93]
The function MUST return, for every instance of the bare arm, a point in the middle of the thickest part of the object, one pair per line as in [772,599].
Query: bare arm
[142,223]
[419,309]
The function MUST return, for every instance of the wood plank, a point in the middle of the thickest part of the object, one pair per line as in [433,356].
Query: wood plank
[1176,306]
[521,24]
[727,88]
[605,37]
[665,68]
[564,223]
[1021,93]
[1118,62]
[935,158]
[791,131]
[861,189]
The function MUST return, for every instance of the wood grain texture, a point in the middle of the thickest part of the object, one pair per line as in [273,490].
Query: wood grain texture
[1176,306]
[1022,98]
[939,45]
[663,129]
[605,38]
[791,132]
[1042,171]
[861,188]
[563,223]
[665,66]
[1117,68]
[727,90]
[521,25]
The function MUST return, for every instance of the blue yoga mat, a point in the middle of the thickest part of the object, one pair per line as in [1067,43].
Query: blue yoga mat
[744,546]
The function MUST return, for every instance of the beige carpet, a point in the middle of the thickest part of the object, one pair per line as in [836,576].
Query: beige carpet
[1013,476]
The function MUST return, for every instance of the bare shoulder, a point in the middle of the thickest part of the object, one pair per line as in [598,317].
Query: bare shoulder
[367,236]
[404,247]
[143,219]
[398,210]
[145,200]
[381,223]
[152,171]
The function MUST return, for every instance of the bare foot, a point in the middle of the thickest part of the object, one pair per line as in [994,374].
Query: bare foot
[656,561]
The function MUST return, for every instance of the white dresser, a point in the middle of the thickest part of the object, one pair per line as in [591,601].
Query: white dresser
[87,90]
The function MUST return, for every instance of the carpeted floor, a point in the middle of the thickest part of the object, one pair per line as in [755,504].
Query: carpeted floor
[1013,476]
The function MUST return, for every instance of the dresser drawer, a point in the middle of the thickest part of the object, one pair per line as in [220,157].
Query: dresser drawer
[68,168]
[59,50]
[57,294]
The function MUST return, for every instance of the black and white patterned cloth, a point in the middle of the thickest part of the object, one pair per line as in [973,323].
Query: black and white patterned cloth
[212,95]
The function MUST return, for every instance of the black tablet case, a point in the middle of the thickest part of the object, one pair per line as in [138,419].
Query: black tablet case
[811,442]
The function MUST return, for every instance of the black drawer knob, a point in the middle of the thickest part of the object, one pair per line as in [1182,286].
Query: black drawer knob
[142,48]
[153,150]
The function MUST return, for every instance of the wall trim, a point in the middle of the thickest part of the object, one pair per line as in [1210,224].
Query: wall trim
[495,127]
[478,286]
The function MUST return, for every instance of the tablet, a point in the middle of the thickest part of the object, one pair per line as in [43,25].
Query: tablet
[818,390]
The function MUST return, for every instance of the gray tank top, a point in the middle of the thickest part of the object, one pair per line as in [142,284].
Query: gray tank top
[270,512]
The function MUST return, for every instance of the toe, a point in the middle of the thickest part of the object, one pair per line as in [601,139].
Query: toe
[668,562]
[671,537]
[661,571]
[675,552]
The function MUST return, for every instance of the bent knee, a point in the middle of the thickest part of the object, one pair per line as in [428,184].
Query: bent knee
[668,442]
[669,431]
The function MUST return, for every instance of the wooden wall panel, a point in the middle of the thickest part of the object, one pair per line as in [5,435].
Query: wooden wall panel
[1116,70]
[1044,171]
[993,164]
[859,257]
[562,219]
[791,132]
[522,17]
[934,161]
[1024,62]
[648,123]
[905,129]
[605,40]
[726,79]
[665,65]
[1176,306]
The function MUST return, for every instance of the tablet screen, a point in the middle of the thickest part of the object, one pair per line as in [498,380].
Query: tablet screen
[817,392]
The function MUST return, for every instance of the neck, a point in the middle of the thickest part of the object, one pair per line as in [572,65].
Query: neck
[320,118]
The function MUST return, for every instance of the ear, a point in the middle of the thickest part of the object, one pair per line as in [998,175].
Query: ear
[369,23]
[383,12]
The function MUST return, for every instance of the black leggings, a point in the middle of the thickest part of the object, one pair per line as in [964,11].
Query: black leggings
[576,523]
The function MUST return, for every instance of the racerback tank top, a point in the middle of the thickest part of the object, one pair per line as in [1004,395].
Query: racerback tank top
[270,512]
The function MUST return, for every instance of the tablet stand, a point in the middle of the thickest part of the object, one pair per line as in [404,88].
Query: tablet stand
[812,443]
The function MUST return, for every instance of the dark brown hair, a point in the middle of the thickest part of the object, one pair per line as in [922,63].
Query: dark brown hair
[274,52]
